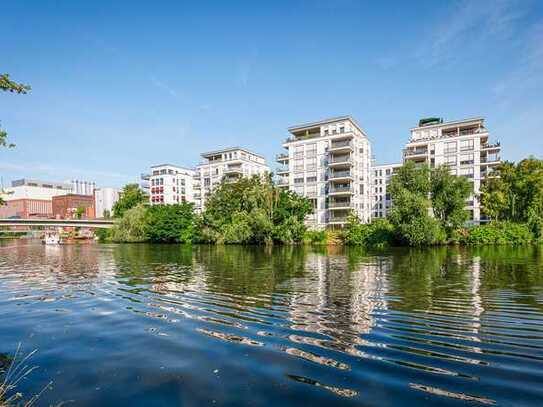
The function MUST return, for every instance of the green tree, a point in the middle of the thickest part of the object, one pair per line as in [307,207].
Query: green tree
[170,223]
[410,214]
[130,197]
[253,210]
[131,227]
[79,212]
[448,197]
[517,194]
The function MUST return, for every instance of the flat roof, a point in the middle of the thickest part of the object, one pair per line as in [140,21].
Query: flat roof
[227,149]
[25,181]
[472,119]
[171,165]
[309,125]
[388,165]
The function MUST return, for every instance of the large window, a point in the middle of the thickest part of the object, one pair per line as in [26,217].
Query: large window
[466,145]
[450,147]
[466,159]
[450,160]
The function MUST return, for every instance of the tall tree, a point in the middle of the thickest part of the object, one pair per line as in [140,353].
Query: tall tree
[130,197]
[448,195]
[410,190]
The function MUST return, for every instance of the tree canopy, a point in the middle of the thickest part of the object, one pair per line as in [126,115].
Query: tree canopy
[7,85]
[130,197]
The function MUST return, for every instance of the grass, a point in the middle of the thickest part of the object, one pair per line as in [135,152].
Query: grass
[17,371]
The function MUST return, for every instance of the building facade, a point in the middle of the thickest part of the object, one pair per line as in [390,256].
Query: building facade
[382,202]
[463,146]
[35,189]
[170,184]
[104,199]
[66,206]
[329,162]
[229,164]
[26,209]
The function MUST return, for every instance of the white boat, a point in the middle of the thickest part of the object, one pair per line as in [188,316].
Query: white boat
[52,239]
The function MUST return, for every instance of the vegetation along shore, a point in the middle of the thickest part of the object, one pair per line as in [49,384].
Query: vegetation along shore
[428,209]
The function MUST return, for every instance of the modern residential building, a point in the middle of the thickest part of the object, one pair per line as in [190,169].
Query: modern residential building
[104,199]
[170,184]
[463,146]
[228,164]
[66,206]
[80,187]
[329,162]
[382,203]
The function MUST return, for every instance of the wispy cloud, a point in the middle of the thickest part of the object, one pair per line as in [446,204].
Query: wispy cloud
[165,87]
[467,24]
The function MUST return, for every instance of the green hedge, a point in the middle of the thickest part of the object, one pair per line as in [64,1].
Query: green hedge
[497,233]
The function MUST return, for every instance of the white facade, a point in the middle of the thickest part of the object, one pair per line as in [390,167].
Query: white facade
[170,184]
[80,187]
[382,203]
[329,162]
[34,189]
[228,164]
[104,199]
[463,146]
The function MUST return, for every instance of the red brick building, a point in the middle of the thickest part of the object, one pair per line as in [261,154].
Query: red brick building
[65,206]
[27,208]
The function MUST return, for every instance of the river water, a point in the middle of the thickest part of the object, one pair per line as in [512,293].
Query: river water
[160,325]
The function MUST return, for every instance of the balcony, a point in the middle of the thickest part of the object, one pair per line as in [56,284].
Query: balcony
[341,190]
[489,146]
[414,152]
[281,158]
[282,182]
[340,176]
[338,220]
[336,161]
[231,169]
[342,145]
[337,205]
[282,169]
[492,159]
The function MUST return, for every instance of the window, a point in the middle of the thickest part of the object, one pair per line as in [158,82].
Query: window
[466,145]
[466,159]
[450,160]
[311,179]
[450,147]
[298,180]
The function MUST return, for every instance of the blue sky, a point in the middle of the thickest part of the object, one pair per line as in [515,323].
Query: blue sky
[118,86]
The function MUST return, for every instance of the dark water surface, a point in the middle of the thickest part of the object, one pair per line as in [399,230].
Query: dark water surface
[146,325]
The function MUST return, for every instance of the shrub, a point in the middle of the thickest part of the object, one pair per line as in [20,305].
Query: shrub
[378,233]
[315,237]
[499,233]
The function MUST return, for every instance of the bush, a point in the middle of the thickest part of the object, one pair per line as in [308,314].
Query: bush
[378,233]
[131,227]
[499,233]
[170,223]
[315,237]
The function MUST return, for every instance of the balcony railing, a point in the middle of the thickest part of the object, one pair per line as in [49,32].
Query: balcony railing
[487,146]
[490,159]
[340,174]
[341,204]
[337,219]
[340,189]
[340,160]
[281,157]
[282,181]
[340,144]
[282,169]
[409,153]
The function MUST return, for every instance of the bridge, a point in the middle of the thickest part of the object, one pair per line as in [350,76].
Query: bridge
[85,223]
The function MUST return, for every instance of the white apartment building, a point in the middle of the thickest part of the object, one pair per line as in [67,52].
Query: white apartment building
[170,184]
[382,203]
[463,146]
[228,164]
[104,199]
[329,162]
